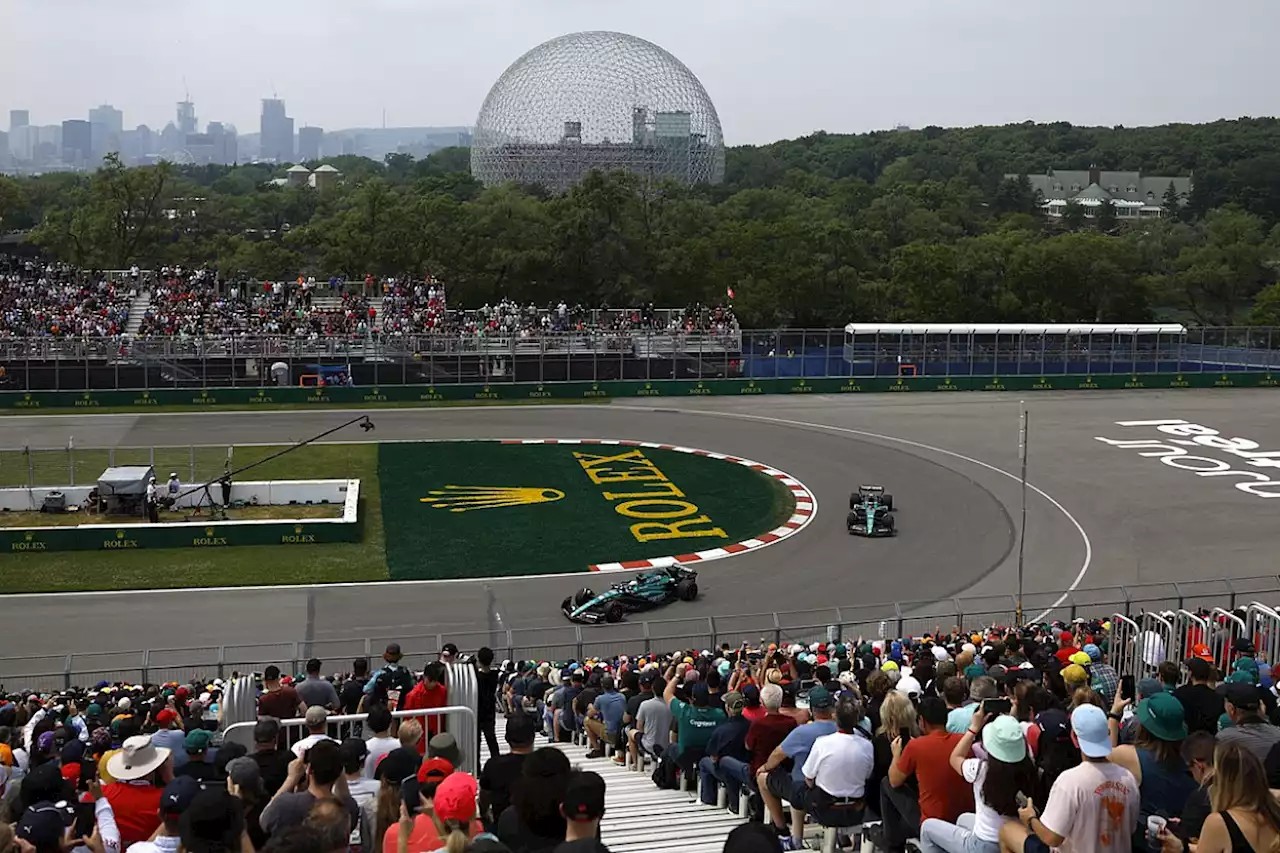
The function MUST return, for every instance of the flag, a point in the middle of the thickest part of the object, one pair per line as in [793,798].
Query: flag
[729,292]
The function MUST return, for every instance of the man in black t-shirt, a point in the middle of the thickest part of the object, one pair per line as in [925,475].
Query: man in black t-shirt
[501,772]
[1203,705]
[353,690]
[487,679]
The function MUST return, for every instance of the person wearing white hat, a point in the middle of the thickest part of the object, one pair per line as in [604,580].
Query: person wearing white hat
[141,770]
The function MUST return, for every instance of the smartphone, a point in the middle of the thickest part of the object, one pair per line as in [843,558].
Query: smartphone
[84,820]
[1126,687]
[1021,799]
[996,706]
[905,734]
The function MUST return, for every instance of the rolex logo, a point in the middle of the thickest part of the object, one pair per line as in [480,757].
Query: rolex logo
[208,531]
[466,498]
[297,528]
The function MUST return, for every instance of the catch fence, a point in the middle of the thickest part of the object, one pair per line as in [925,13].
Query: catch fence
[601,355]
[35,467]
[1133,610]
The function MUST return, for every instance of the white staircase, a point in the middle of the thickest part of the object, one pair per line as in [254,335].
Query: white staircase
[638,817]
[137,307]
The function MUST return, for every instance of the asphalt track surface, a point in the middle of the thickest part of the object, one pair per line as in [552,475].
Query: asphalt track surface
[1098,515]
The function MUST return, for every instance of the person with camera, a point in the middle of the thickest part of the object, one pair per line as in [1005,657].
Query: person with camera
[838,768]
[314,775]
[997,779]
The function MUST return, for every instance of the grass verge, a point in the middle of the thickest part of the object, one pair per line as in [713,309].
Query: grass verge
[75,571]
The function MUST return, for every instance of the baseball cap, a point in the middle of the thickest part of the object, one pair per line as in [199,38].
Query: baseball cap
[1081,658]
[1094,653]
[316,715]
[1075,674]
[1054,725]
[1163,716]
[701,694]
[734,702]
[584,796]
[244,771]
[820,697]
[179,793]
[908,684]
[197,740]
[167,716]
[1149,687]
[1242,695]
[1067,637]
[1200,650]
[1090,726]
[398,764]
[433,771]
[455,798]
[44,823]
[392,652]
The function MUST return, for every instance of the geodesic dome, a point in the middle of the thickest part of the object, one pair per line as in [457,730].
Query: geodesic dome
[597,100]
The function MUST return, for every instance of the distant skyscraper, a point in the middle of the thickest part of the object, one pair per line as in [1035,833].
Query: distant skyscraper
[77,142]
[18,118]
[107,122]
[310,143]
[277,131]
[186,117]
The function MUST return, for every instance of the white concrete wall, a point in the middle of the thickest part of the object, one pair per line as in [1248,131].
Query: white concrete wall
[265,492]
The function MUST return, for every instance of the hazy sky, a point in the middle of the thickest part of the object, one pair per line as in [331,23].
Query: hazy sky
[774,68]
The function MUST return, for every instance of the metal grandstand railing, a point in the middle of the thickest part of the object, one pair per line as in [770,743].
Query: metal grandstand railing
[833,624]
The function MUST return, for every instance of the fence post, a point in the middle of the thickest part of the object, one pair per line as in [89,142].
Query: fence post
[31,468]
[71,461]
[66,672]
[111,457]
[839,626]
[222,661]
[648,645]
[293,664]
[711,630]
[192,453]
[898,612]
[577,635]
[511,644]
[146,665]
[777,631]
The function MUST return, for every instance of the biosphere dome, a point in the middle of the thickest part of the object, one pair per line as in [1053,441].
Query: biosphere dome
[597,100]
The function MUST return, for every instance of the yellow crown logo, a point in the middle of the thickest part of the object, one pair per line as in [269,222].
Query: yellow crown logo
[119,534]
[297,528]
[29,536]
[208,531]
[466,498]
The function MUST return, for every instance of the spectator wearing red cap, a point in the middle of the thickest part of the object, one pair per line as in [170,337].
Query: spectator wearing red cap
[1066,647]
[171,736]
[422,789]
[447,820]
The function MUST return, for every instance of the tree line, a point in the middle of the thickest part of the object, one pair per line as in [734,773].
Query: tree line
[819,231]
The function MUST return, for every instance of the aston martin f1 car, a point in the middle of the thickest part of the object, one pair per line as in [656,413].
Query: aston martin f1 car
[871,512]
[643,592]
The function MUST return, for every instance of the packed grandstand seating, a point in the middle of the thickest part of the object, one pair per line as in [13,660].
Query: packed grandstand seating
[983,741]
[40,300]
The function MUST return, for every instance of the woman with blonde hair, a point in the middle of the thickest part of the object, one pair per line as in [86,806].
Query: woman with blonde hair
[1246,817]
[897,713]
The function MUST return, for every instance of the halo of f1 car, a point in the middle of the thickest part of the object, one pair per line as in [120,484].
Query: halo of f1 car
[645,591]
[871,512]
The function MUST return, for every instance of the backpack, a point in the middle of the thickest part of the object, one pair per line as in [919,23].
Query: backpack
[666,774]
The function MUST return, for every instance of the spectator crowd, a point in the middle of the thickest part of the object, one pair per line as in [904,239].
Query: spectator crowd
[987,742]
[55,300]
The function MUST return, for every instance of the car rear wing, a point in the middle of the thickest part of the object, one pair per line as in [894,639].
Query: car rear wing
[876,489]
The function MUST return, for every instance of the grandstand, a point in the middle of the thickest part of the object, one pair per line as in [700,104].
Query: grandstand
[695,816]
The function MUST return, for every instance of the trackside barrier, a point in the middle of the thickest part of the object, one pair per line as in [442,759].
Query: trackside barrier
[1156,644]
[1231,628]
[1189,630]
[346,724]
[1264,630]
[1124,644]
[1216,599]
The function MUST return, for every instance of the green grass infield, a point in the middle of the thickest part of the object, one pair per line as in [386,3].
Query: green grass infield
[491,508]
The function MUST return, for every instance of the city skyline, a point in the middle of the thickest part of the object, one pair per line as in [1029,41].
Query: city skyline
[775,71]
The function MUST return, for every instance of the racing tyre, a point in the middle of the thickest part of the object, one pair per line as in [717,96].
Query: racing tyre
[614,612]
[567,604]
[854,501]
[888,523]
[582,596]
[687,590]
[888,502]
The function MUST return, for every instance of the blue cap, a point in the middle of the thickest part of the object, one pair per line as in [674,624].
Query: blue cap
[701,694]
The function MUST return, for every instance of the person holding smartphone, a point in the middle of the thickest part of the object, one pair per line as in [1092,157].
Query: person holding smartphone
[997,780]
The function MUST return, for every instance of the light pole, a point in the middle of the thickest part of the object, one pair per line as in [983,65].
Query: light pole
[1023,433]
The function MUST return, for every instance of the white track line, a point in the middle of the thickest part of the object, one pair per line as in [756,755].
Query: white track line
[1088,546]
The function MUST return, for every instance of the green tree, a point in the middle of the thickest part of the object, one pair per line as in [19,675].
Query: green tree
[1073,216]
[1171,206]
[1105,219]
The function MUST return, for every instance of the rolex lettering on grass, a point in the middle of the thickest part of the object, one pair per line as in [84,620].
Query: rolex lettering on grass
[1184,445]
[645,493]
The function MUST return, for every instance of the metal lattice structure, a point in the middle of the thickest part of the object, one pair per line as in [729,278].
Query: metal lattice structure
[597,100]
